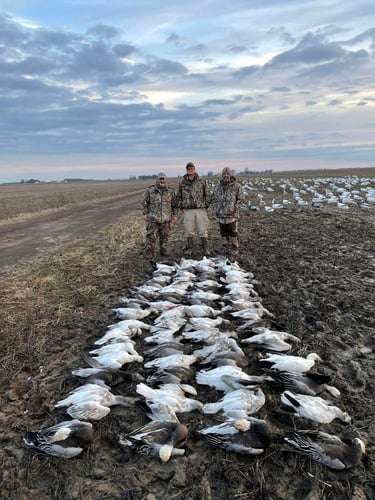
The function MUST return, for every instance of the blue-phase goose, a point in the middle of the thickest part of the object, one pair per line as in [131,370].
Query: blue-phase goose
[313,408]
[327,449]
[157,439]
[250,436]
[65,440]
[310,384]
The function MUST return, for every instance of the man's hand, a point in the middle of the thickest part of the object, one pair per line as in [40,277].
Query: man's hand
[174,219]
[145,218]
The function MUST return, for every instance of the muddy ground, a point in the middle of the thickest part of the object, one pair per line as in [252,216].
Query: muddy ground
[314,270]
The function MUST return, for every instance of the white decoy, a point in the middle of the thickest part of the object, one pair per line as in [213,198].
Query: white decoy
[272,340]
[250,436]
[327,449]
[286,363]
[237,404]
[227,378]
[65,440]
[94,392]
[157,439]
[313,408]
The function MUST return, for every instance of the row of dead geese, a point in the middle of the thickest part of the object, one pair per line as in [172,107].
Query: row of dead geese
[189,314]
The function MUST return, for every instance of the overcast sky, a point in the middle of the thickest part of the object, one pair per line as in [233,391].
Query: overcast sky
[115,88]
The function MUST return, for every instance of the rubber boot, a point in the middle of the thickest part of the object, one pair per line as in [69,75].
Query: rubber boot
[150,254]
[189,245]
[163,249]
[235,246]
[205,249]
[225,242]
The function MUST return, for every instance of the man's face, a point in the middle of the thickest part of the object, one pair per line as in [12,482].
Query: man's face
[226,176]
[190,170]
[162,180]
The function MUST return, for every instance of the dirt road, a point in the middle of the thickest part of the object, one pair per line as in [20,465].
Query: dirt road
[24,239]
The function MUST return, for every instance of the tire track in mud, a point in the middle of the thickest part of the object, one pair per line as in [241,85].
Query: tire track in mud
[25,239]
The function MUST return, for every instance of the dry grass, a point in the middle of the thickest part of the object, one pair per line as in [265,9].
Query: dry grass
[27,199]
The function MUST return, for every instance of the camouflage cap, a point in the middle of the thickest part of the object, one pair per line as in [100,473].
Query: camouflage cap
[226,170]
[162,175]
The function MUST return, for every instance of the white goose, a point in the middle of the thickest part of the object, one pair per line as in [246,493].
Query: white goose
[287,363]
[313,408]
[271,339]
[238,404]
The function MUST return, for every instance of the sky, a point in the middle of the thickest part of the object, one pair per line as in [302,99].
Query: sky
[110,89]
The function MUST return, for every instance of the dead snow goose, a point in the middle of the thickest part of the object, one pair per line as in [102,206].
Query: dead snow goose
[227,378]
[117,359]
[132,312]
[313,408]
[238,404]
[287,363]
[94,392]
[272,340]
[250,436]
[65,440]
[157,439]
[183,360]
[327,449]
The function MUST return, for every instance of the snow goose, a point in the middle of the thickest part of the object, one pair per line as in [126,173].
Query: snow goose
[65,440]
[237,404]
[227,378]
[286,363]
[133,312]
[178,360]
[94,392]
[272,340]
[250,436]
[167,398]
[117,359]
[327,449]
[157,439]
[313,408]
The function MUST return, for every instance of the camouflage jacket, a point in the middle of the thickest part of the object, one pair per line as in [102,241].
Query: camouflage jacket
[159,204]
[226,200]
[193,194]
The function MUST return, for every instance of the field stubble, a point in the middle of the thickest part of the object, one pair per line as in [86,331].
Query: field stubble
[315,272]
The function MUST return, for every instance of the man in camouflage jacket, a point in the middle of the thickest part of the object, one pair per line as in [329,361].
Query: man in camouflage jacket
[194,200]
[226,199]
[159,210]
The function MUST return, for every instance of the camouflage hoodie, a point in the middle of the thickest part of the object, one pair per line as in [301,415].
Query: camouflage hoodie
[159,203]
[226,200]
[193,194]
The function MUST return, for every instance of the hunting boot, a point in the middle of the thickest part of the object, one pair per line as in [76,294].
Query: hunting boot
[235,246]
[225,242]
[205,249]
[163,248]
[150,253]
[189,245]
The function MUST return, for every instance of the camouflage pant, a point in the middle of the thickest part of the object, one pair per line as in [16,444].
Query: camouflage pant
[154,230]
[230,229]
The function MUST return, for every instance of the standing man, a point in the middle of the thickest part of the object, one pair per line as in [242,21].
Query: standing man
[194,200]
[226,200]
[159,210]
